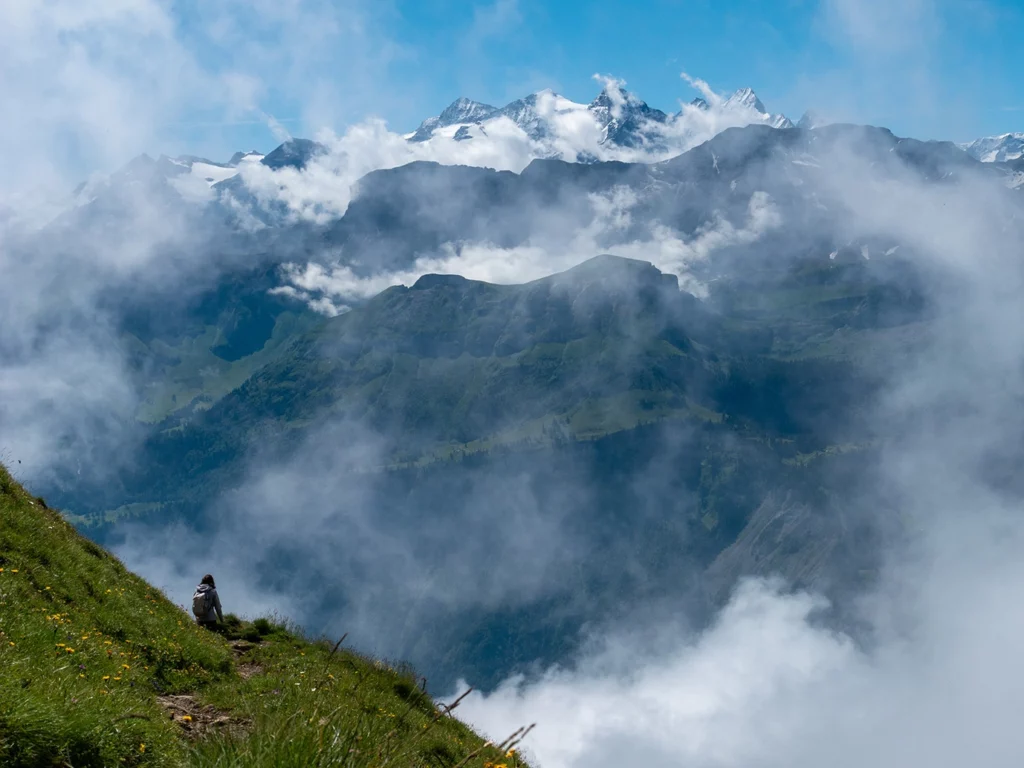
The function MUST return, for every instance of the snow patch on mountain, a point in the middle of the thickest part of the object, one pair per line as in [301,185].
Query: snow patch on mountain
[996,149]
[199,176]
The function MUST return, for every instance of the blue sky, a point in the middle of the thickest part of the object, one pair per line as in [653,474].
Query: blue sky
[949,69]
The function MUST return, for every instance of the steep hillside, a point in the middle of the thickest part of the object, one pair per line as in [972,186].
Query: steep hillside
[97,668]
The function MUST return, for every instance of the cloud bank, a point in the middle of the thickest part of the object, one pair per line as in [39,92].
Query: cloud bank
[323,189]
[328,287]
[933,677]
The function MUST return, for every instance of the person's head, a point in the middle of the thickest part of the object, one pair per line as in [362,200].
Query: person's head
[208,579]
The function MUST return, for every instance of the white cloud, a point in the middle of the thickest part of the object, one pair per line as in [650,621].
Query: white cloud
[327,287]
[323,190]
[711,701]
[768,686]
[934,677]
[88,86]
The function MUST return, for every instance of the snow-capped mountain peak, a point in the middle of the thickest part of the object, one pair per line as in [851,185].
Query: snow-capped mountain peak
[615,126]
[464,110]
[613,100]
[615,120]
[996,149]
[461,112]
[746,97]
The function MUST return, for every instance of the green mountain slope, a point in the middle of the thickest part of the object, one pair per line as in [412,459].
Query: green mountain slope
[97,668]
[674,424]
[190,350]
[451,367]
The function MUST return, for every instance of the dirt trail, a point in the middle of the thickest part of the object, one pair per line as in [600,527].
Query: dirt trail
[246,669]
[198,719]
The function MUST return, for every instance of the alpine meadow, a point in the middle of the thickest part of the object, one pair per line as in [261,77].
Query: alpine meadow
[511,419]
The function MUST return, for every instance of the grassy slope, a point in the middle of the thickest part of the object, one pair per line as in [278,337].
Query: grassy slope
[196,375]
[87,649]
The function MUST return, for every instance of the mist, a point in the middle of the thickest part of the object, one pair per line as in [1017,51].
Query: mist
[933,674]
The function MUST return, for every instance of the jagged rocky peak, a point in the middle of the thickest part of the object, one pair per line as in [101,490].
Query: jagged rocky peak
[464,110]
[613,96]
[747,98]
[623,118]
[615,103]
[460,111]
[527,105]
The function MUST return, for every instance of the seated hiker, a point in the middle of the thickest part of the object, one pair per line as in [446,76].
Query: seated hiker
[206,603]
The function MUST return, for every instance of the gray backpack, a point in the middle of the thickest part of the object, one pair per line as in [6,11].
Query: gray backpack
[202,602]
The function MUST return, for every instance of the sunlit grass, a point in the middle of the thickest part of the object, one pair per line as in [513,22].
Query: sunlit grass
[87,650]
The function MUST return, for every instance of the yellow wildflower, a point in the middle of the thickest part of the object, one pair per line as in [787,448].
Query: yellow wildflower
[186,718]
[106,677]
[142,747]
[70,650]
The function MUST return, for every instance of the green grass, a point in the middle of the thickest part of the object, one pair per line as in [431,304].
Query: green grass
[199,373]
[89,651]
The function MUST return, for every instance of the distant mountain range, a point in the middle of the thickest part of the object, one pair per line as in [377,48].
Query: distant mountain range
[996,149]
[615,126]
[615,119]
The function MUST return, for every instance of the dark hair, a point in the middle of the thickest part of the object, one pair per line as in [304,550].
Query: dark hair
[208,579]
